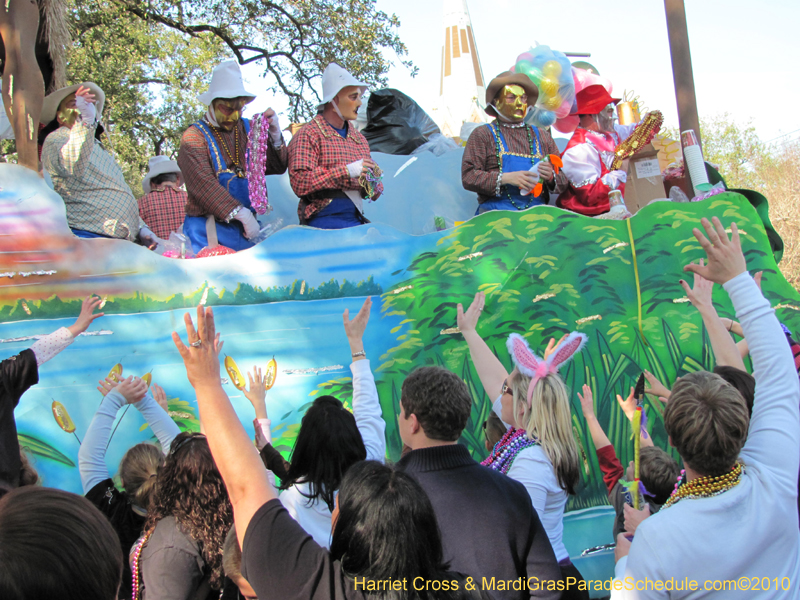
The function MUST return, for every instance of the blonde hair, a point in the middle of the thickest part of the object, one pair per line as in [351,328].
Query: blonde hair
[138,470]
[232,557]
[549,420]
[707,420]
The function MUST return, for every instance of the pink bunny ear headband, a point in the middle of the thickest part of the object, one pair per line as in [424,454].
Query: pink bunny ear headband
[534,367]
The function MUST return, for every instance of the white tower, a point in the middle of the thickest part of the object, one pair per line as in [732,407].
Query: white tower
[461,84]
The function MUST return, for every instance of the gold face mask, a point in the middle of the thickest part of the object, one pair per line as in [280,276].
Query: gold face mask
[512,102]
[228,111]
[67,113]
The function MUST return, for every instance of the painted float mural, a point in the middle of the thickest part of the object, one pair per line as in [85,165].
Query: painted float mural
[545,272]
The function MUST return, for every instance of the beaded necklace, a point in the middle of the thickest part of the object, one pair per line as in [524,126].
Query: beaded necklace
[506,450]
[705,487]
[236,166]
[137,576]
[499,152]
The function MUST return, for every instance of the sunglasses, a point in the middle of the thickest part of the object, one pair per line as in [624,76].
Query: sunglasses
[506,390]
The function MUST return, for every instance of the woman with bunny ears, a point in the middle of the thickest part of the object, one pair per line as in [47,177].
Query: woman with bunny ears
[538,450]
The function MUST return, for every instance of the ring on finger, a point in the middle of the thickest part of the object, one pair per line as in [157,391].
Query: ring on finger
[196,344]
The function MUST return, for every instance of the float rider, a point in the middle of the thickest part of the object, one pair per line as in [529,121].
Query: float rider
[212,158]
[503,161]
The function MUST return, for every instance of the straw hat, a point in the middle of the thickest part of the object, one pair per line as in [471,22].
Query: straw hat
[334,80]
[159,165]
[509,78]
[226,82]
[53,100]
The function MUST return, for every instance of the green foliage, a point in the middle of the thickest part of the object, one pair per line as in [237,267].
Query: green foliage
[56,308]
[546,273]
[151,75]
[38,447]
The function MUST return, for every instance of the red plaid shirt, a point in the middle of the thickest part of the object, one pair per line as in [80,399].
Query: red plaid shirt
[163,210]
[480,167]
[318,159]
[206,195]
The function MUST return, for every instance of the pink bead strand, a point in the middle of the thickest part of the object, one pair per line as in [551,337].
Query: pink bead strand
[257,145]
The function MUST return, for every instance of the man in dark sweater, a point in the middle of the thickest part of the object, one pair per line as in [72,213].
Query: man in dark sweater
[490,530]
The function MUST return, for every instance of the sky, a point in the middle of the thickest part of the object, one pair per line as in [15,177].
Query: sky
[745,54]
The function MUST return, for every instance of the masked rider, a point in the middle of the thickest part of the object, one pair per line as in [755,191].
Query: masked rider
[503,160]
[212,160]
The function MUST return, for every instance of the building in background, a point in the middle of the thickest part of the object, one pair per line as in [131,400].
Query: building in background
[461,83]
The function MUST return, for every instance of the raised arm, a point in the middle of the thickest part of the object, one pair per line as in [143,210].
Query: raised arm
[628,406]
[599,437]
[491,371]
[725,351]
[237,460]
[92,455]
[366,405]
[157,417]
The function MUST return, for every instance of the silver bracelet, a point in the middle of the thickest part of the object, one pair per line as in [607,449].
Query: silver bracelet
[233,213]
[360,353]
[497,185]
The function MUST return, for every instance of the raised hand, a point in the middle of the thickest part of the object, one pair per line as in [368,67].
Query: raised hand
[201,356]
[587,401]
[160,396]
[133,389]
[628,405]
[725,258]
[656,387]
[468,321]
[700,294]
[552,345]
[354,328]
[86,316]
[256,393]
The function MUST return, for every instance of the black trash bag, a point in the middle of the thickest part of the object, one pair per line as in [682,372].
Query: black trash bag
[395,123]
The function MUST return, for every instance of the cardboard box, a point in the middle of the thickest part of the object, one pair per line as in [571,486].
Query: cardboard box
[644,179]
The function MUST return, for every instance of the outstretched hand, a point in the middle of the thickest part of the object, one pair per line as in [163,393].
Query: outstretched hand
[256,393]
[201,356]
[656,387]
[86,317]
[587,401]
[133,389]
[628,405]
[725,258]
[468,321]
[160,396]
[700,294]
[552,345]
[355,327]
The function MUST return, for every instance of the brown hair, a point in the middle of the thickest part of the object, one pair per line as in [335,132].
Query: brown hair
[190,488]
[658,472]
[138,470]
[232,556]
[494,429]
[54,544]
[549,420]
[707,420]
[439,399]
[28,475]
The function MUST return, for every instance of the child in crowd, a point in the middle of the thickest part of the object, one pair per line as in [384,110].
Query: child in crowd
[232,565]
[494,430]
[657,469]
[20,372]
[126,509]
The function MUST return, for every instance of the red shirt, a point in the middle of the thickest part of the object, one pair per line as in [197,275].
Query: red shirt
[163,210]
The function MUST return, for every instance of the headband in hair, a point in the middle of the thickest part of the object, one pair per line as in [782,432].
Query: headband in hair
[534,367]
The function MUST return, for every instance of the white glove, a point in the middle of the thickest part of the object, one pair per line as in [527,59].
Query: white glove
[251,226]
[275,133]
[355,168]
[87,110]
[614,179]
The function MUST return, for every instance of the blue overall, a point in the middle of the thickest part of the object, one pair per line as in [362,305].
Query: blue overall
[341,213]
[230,234]
[510,197]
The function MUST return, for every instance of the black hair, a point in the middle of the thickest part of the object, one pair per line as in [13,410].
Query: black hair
[54,544]
[327,445]
[440,400]
[742,381]
[387,529]
[164,177]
